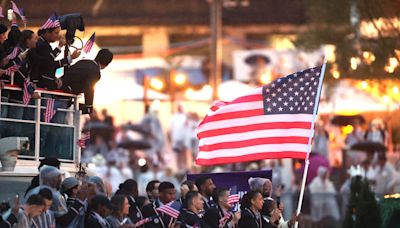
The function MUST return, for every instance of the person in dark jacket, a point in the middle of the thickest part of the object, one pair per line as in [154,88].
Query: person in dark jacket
[167,194]
[44,65]
[82,76]
[251,205]
[130,189]
[191,216]
[206,188]
[99,208]
[221,216]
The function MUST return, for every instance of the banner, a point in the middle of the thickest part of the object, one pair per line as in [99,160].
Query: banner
[229,179]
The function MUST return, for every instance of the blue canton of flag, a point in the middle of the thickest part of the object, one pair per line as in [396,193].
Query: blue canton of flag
[293,94]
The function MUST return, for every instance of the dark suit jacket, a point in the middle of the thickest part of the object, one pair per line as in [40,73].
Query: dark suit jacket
[249,220]
[80,78]
[213,215]
[160,222]
[43,64]
[92,221]
[189,218]
[135,214]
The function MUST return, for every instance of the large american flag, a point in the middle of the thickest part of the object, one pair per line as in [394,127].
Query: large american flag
[89,44]
[50,110]
[273,121]
[28,91]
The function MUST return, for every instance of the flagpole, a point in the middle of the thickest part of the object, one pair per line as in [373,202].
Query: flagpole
[307,161]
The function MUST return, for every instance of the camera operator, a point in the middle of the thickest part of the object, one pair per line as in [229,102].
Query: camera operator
[82,76]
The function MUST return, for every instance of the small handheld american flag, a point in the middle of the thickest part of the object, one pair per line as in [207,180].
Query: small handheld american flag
[50,110]
[9,71]
[52,22]
[233,196]
[29,89]
[18,11]
[89,44]
[171,209]
[225,219]
[82,142]
[145,220]
[13,54]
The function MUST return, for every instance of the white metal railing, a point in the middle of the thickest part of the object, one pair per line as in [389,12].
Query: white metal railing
[38,123]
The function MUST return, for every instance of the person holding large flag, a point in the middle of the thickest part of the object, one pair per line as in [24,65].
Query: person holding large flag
[270,122]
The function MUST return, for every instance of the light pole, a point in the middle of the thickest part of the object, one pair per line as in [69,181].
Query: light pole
[216,46]
[216,39]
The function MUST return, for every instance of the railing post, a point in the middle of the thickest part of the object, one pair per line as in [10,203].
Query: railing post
[77,133]
[37,127]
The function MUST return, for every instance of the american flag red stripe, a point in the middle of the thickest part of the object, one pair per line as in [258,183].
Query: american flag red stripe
[50,110]
[27,94]
[142,222]
[252,127]
[89,44]
[1,12]
[9,71]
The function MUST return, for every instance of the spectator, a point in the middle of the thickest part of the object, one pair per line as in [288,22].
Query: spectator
[178,137]
[151,123]
[46,161]
[323,197]
[11,219]
[384,176]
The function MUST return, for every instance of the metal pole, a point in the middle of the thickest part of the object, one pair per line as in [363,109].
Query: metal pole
[216,46]
[145,88]
[171,89]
